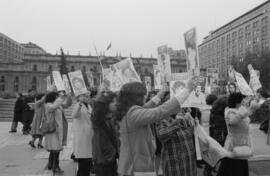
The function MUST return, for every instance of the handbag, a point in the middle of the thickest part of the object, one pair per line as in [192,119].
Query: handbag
[140,163]
[264,126]
[48,124]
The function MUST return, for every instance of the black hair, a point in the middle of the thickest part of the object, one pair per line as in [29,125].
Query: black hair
[39,96]
[195,112]
[129,95]
[263,92]
[232,84]
[210,99]
[51,97]
[234,99]
[219,106]
[93,92]
[30,90]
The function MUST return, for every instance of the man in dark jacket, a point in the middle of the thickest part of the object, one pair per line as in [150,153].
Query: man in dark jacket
[28,111]
[105,143]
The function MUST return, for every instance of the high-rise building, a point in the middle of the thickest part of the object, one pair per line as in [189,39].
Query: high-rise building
[10,50]
[249,33]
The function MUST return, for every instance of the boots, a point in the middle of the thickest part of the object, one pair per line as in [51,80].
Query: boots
[50,161]
[13,128]
[56,168]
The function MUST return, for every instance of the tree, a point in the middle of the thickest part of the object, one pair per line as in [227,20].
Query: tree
[63,63]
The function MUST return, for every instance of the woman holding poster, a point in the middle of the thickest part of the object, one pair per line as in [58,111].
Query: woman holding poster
[137,150]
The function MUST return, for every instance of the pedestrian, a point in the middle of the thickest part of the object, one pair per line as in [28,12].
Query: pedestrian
[137,142]
[105,142]
[237,122]
[38,117]
[178,149]
[28,111]
[54,142]
[82,134]
[17,113]
[231,88]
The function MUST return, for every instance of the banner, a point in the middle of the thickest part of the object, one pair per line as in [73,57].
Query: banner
[58,81]
[254,81]
[49,83]
[164,63]
[66,84]
[191,50]
[157,77]
[77,82]
[126,71]
[90,78]
[242,84]
[147,82]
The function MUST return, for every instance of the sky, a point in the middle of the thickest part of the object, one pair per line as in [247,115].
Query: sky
[135,27]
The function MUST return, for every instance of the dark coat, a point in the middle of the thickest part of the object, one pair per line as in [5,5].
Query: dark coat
[18,109]
[28,113]
[104,142]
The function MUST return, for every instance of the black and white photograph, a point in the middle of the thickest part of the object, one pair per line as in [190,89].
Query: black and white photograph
[134,88]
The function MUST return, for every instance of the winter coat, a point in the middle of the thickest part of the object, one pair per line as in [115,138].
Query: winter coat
[38,116]
[82,131]
[57,139]
[28,113]
[18,109]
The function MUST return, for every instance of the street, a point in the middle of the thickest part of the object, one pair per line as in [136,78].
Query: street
[18,159]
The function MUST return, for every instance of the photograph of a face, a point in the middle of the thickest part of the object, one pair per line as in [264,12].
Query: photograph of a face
[77,82]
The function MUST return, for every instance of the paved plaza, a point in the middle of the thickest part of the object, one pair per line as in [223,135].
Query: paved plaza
[18,159]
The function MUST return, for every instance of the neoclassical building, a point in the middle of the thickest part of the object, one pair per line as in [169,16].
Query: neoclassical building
[37,64]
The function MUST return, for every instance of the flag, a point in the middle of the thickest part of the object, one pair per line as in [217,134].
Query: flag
[109,46]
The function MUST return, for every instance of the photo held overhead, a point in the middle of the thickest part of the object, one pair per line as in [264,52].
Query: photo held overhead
[58,81]
[77,82]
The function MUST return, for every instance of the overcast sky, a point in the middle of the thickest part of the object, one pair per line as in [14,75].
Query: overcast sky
[133,26]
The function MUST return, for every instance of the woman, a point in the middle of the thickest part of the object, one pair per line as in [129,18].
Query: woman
[237,121]
[17,115]
[137,142]
[39,114]
[105,143]
[83,133]
[54,142]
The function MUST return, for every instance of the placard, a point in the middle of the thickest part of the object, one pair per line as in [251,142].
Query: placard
[157,77]
[77,82]
[90,78]
[254,81]
[191,50]
[49,83]
[58,81]
[66,83]
[164,63]
[116,81]
[242,84]
[147,82]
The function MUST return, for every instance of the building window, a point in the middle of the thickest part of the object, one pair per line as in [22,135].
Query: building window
[16,88]
[34,67]
[16,80]
[2,79]
[50,68]
[72,68]
[2,88]
[34,80]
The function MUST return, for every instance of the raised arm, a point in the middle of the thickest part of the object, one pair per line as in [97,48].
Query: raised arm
[57,103]
[140,116]
[166,130]
[234,117]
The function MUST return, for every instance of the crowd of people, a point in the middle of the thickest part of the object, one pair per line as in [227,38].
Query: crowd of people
[133,131]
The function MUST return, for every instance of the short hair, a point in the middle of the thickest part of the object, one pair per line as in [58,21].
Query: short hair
[263,92]
[178,84]
[51,97]
[210,99]
[195,112]
[39,96]
[234,99]
[232,84]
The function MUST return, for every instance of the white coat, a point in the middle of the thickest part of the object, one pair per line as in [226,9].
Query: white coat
[82,131]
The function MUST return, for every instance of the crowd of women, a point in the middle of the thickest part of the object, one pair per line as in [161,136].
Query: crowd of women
[132,132]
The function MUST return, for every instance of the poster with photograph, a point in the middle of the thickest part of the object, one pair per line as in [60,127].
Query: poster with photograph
[58,81]
[197,96]
[242,84]
[66,83]
[231,74]
[90,78]
[49,83]
[77,82]
[164,63]
[126,70]
[191,50]
[212,76]
[116,81]
[157,77]
[107,77]
[254,81]
[147,82]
